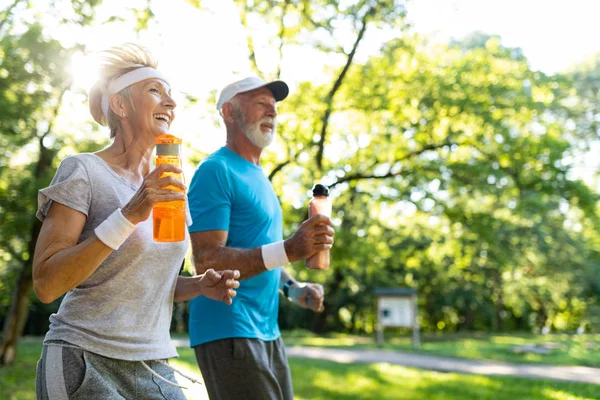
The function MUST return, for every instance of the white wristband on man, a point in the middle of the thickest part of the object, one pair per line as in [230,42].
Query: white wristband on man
[114,230]
[273,255]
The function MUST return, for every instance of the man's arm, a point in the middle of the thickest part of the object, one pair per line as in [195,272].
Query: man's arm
[210,251]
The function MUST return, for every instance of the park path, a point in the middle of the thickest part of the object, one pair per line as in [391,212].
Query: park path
[441,364]
[449,364]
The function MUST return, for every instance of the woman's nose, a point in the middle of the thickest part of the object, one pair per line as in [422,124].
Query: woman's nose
[170,102]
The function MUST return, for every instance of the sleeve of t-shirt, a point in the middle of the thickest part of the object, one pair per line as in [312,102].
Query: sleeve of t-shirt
[70,187]
[209,197]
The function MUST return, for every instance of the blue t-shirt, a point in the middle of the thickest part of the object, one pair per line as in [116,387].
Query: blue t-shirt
[230,193]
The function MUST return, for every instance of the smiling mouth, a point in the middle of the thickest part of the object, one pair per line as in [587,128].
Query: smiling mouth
[162,117]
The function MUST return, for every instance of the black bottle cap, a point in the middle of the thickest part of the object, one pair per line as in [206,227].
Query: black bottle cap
[320,190]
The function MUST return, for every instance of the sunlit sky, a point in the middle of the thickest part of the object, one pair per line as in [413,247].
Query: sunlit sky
[201,51]
[553,34]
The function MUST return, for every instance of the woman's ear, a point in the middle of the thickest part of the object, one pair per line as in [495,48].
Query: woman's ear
[117,105]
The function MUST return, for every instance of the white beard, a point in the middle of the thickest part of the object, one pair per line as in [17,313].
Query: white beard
[256,136]
[253,132]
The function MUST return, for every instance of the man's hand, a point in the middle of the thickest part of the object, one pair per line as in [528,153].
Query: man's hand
[314,235]
[219,285]
[308,295]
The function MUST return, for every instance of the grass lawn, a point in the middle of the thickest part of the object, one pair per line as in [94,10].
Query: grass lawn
[328,380]
[566,349]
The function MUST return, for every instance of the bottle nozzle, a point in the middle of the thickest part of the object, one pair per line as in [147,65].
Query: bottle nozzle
[320,190]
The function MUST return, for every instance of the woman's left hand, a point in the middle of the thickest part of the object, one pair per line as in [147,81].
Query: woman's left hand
[219,285]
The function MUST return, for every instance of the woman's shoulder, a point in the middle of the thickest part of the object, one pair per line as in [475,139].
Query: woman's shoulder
[86,161]
[83,158]
[80,159]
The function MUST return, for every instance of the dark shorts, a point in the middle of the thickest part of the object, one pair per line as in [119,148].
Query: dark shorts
[68,372]
[248,369]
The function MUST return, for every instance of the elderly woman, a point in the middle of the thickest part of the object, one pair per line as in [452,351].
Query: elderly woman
[110,336]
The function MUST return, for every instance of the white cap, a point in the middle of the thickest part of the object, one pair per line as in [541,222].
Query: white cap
[279,89]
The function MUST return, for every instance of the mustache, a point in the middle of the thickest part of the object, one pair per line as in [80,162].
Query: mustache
[267,120]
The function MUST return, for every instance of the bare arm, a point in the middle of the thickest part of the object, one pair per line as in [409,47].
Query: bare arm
[187,288]
[217,285]
[59,263]
[210,251]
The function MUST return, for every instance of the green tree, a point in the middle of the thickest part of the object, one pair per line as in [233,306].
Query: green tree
[34,79]
[465,137]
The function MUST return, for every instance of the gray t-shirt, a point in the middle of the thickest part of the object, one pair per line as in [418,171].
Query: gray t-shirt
[123,310]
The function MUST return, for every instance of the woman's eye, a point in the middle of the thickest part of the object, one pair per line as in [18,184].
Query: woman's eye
[155,90]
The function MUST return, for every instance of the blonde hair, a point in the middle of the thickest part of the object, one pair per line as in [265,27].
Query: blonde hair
[115,62]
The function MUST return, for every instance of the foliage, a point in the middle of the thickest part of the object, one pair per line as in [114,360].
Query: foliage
[35,75]
[451,165]
[450,171]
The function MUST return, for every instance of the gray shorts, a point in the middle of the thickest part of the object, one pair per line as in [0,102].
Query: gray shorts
[248,369]
[65,372]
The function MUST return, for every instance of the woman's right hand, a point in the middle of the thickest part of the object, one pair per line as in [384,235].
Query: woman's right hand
[219,285]
[153,191]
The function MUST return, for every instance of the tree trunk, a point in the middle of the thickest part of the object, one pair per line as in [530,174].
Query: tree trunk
[499,301]
[469,320]
[17,316]
[19,304]
[499,308]
[499,318]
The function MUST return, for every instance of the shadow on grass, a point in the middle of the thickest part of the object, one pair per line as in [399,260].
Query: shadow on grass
[329,380]
[567,349]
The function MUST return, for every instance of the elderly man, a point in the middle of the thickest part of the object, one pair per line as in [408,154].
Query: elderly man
[238,224]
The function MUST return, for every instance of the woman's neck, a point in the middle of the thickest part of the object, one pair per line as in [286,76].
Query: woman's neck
[130,156]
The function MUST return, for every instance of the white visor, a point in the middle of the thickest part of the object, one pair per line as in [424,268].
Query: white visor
[130,78]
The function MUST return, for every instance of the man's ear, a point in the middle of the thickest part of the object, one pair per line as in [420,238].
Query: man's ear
[117,105]
[227,113]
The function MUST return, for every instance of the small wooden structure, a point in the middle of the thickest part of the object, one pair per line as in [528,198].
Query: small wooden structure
[397,307]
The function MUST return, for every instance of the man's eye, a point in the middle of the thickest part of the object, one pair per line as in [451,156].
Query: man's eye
[155,90]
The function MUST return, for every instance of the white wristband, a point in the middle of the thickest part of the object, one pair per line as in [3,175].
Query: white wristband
[274,256]
[114,230]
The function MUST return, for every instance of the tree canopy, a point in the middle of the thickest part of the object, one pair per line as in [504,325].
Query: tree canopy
[452,166]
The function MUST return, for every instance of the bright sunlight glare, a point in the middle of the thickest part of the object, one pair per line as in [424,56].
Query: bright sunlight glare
[83,71]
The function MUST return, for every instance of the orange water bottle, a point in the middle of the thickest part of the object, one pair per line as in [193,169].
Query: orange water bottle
[319,204]
[169,217]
